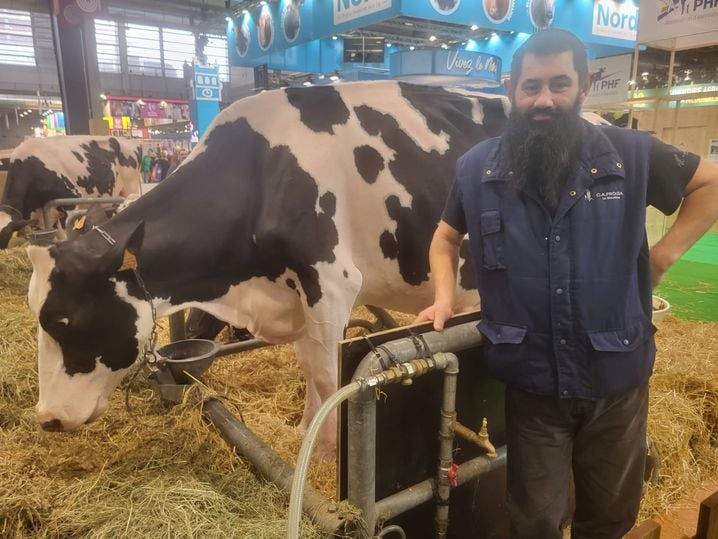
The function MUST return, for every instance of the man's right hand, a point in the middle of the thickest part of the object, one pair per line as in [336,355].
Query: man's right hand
[438,313]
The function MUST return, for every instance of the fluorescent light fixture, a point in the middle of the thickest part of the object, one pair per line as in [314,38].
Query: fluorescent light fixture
[444,46]
[411,48]
[388,45]
[432,38]
[334,78]
[307,83]
[335,38]
[474,27]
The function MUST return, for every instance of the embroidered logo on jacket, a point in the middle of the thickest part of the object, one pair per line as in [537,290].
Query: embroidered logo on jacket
[603,195]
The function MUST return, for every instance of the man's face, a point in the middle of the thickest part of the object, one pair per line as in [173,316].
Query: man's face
[547,86]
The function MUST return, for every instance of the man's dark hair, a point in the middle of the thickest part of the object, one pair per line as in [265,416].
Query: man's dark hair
[551,41]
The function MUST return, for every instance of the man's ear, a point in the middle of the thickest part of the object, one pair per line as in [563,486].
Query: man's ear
[509,88]
[586,87]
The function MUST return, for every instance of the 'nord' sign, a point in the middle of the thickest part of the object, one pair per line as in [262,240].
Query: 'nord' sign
[348,10]
[613,19]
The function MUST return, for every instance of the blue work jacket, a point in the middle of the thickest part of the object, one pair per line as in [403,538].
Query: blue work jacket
[566,299]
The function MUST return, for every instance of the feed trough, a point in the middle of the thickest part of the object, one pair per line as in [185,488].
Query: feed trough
[189,358]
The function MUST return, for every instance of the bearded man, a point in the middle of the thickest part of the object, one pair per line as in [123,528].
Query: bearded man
[555,210]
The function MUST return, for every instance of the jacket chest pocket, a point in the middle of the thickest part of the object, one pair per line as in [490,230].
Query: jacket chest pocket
[492,240]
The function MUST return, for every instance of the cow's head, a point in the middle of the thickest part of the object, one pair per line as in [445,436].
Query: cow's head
[11,220]
[93,319]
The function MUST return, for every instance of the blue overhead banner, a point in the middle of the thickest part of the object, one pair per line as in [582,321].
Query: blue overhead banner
[471,66]
[606,22]
[278,26]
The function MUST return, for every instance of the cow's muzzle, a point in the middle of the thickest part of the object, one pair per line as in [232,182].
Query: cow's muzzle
[54,425]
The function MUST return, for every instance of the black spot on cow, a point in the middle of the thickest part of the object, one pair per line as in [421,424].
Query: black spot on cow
[320,107]
[291,284]
[388,245]
[346,274]
[100,174]
[467,272]
[78,156]
[369,162]
[125,161]
[253,215]
[426,175]
[30,184]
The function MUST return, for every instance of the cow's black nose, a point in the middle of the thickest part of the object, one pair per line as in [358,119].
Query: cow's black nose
[54,425]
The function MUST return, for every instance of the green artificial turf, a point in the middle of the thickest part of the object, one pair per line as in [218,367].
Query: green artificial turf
[691,285]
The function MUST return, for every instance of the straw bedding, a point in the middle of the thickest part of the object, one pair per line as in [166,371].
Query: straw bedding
[156,472]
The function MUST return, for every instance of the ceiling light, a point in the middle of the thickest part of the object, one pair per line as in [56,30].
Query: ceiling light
[335,38]
[432,38]
[245,12]
[103,96]
[388,45]
[411,48]
[494,34]
[228,18]
[444,46]
[407,23]
[334,78]
[474,27]
[307,83]
[263,3]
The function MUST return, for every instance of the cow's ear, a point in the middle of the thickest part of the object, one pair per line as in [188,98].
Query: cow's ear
[123,254]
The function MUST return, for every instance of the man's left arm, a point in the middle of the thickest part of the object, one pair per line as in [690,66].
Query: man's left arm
[698,212]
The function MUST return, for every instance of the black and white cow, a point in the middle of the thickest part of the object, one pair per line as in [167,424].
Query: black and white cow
[41,170]
[296,205]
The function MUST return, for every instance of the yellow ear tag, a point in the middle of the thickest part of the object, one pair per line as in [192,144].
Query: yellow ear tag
[14,234]
[128,261]
[79,223]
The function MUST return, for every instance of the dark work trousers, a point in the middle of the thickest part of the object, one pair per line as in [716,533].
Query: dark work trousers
[603,442]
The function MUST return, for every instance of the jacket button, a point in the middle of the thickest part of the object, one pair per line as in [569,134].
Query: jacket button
[564,392]
[562,341]
[559,291]
[626,342]
[572,193]
[557,238]
[488,172]
[619,165]
[594,170]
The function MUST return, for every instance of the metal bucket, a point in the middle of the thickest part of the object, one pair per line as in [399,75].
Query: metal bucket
[189,358]
[661,308]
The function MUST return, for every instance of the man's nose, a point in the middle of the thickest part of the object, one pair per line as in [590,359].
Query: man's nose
[544,99]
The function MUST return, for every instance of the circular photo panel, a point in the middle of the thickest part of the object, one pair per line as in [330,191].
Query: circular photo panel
[541,13]
[445,7]
[498,10]
[291,20]
[241,36]
[265,30]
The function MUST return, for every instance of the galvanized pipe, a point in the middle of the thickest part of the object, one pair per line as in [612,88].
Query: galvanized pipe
[241,346]
[446,442]
[424,491]
[270,465]
[361,433]
[74,202]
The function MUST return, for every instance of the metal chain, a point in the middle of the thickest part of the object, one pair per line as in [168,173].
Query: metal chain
[105,235]
[148,353]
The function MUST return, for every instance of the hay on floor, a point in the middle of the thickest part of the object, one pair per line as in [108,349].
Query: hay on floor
[156,472]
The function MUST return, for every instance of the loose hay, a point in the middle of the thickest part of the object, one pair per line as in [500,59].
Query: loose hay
[166,473]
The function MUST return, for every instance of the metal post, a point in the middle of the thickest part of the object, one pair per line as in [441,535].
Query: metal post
[446,442]
[634,78]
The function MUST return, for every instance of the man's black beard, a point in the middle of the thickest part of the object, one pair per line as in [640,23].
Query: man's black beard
[543,153]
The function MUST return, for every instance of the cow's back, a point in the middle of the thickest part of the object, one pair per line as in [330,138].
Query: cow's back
[383,155]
